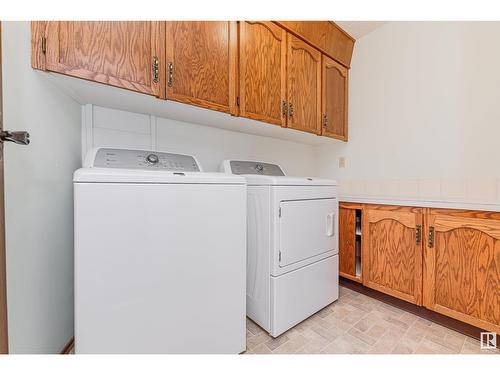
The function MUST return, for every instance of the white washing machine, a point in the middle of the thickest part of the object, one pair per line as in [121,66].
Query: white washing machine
[292,245]
[160,251]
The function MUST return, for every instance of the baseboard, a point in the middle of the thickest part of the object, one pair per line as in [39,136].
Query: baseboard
[68,348]
[446,321]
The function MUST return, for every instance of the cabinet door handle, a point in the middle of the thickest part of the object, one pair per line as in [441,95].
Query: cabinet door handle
[418,234]
[155,69]
[290,110]
[430,242]
[284,108]
[170,78]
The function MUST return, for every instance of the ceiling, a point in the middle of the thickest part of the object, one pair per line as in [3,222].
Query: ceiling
[358,29]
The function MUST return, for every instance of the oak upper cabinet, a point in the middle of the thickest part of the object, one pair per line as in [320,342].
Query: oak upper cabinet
[303,86]
[462,266]
[334,99]
[123,54]
[347,242]
[392,251]
[201,63]
[262,73]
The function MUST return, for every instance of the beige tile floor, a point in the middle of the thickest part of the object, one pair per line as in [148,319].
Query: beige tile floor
[357,324]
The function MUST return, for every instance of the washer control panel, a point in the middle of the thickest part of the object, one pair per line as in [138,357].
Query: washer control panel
[143,159]
[253,167]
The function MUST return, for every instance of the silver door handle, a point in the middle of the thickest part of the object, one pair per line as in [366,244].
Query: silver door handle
[330,224]
[20,138]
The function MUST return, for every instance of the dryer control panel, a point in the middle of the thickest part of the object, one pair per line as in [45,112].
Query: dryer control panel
[255,167]
[143,159]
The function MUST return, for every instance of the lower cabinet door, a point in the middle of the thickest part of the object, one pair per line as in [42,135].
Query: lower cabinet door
[462,266]
[392,251]
[347,242]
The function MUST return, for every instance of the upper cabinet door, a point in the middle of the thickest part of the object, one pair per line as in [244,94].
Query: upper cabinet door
[392,251]
[334,101]
[462,266]
[263,72]
[201,63]
[304,86]
[122,54]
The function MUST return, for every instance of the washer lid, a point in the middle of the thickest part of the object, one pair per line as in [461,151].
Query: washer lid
[253,179]
[112,175]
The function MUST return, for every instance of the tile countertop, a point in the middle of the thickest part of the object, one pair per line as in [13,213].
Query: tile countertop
[424,203]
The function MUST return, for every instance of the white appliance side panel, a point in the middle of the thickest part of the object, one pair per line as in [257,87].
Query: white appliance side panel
[160,268]
[307,229]
[300,293]
[258,256]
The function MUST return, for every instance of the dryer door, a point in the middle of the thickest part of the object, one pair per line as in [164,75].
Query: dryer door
[307,230]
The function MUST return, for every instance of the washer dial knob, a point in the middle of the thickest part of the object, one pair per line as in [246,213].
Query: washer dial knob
[152,158]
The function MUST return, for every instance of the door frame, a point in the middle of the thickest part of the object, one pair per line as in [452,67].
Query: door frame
[3,281]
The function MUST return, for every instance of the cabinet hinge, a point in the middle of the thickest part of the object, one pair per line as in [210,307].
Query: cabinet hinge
[279,256]
[325,120]
[279,212]
[418,234]
[238,101]
[43,43]
[155,67]
[430,243]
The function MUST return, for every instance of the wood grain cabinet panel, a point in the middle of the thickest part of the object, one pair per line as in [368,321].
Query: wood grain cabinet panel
[262,71]
[116,53]
[326,36]
[334,99]
[303,86]
[391,252]
[347,242]
[201,63]
[462,266]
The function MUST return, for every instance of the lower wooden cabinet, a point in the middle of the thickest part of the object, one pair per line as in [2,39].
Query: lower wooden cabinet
[347,242]
[392,251]
[462,266]
[350,241]
[446,260]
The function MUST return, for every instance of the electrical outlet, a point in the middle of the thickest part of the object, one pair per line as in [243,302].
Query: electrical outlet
[342,162]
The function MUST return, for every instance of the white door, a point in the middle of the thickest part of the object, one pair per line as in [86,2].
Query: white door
[306,229]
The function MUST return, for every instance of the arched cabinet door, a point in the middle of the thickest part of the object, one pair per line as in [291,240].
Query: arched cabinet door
[303,86]
[263,72]
[334,99]
[462,266]
[124,54]
[392,251]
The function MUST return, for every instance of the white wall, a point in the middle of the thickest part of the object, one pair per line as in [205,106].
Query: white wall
[424,114]
[112,128]
[39,201]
